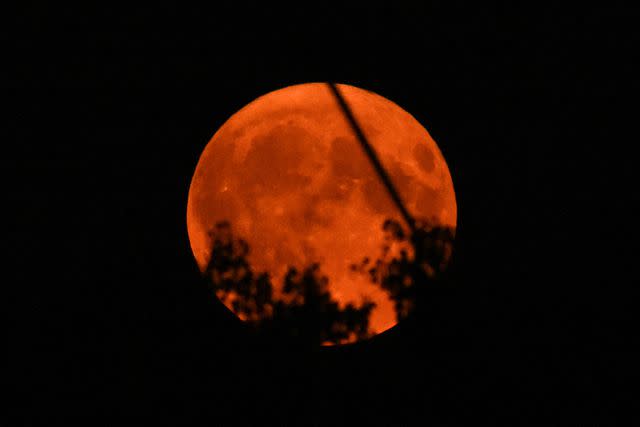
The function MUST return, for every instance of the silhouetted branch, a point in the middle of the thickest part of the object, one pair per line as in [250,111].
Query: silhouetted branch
[373,157]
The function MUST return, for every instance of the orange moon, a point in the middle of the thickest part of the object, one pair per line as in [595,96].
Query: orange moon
[291,177]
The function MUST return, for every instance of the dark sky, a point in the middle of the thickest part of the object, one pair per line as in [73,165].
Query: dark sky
[110,109]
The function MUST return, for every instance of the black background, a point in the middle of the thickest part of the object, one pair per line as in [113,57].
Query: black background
[110,109]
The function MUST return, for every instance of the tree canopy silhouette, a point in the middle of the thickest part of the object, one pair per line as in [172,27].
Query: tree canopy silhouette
[420,262]
[303,311]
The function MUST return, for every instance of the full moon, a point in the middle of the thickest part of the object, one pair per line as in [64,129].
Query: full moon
[290,176]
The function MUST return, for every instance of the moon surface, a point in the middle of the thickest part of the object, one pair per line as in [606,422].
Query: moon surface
[290,176]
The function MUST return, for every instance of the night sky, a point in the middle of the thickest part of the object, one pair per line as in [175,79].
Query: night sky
[110,110]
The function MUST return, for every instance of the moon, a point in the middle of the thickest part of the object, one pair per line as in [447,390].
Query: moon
[289,174]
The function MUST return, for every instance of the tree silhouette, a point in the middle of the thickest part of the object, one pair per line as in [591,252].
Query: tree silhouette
[419,262]
[303,311]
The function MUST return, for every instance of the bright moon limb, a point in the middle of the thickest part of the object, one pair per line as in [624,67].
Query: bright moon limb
[290,177]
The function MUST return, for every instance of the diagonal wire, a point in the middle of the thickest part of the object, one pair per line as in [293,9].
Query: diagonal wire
[386,180]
